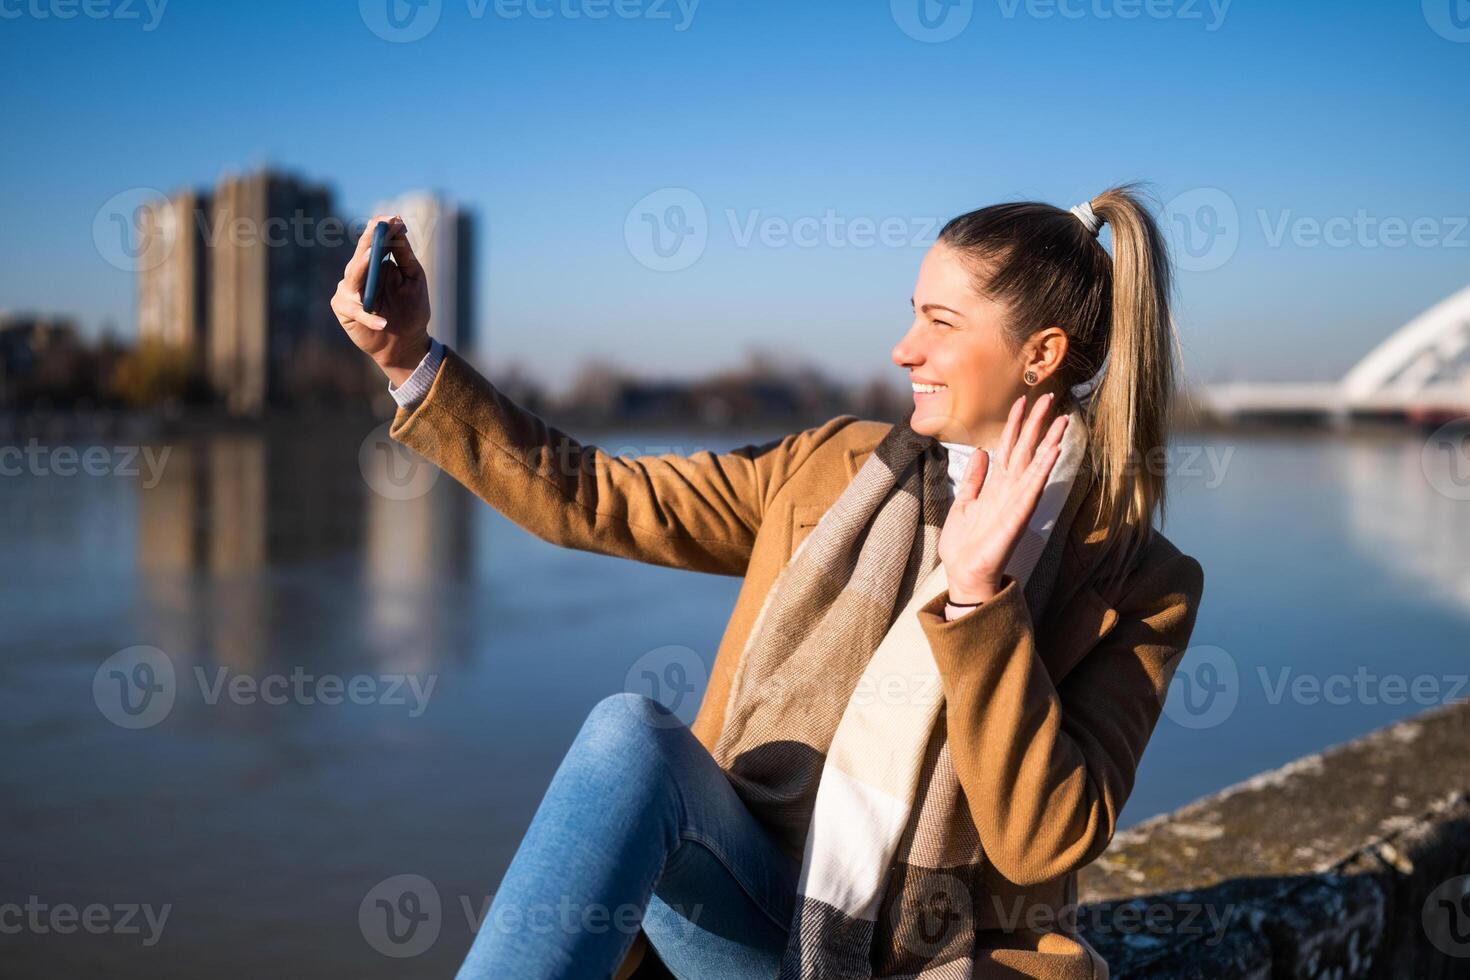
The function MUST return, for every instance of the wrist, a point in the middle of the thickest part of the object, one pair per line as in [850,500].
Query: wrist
[972,593]
[401,364]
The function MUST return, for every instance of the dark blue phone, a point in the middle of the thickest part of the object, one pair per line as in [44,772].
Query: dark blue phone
[375,265]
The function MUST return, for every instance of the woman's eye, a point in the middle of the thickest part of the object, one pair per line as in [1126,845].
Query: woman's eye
[943,323]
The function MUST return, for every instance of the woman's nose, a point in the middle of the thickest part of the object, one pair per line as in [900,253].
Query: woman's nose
[906,353]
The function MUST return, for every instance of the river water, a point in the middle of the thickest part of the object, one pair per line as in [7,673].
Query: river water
[248,682]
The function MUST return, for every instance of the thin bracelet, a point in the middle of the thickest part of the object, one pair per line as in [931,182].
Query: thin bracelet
[965,605]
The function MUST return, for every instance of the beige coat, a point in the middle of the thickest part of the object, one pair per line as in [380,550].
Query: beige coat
[1046,726]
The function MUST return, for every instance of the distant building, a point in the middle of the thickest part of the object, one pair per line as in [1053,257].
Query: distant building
[173,276]
[276,256]
[442,234]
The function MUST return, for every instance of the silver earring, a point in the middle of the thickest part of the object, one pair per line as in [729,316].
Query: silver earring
[1030,377]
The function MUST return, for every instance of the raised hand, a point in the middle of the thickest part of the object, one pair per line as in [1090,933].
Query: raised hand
[397,335]
[984,525]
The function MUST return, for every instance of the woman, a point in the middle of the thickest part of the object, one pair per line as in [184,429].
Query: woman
[943,665]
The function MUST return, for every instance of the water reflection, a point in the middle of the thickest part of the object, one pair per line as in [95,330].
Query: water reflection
[267,553]
[1400,511]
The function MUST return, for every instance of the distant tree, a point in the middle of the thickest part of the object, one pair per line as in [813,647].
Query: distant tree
[151,374]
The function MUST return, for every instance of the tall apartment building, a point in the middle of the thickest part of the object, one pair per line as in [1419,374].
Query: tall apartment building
[277,252]
[173,274]
[442,234]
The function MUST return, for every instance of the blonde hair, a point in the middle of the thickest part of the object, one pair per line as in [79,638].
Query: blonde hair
[1051,270]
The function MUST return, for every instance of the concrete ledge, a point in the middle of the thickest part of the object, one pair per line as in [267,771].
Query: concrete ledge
[1354,862]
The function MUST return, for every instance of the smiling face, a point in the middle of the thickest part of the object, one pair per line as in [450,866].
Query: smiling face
[963,367]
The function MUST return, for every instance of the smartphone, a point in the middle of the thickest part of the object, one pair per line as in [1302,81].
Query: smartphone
[375,265]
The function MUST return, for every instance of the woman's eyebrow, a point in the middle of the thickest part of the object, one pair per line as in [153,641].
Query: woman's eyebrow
[935,306]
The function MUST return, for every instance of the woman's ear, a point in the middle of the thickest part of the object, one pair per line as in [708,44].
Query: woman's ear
[1045,352]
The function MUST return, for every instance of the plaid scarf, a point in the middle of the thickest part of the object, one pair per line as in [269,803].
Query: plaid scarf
[834,730]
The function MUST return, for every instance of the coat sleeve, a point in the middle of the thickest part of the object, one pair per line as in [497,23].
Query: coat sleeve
[1046,768]
[699,511]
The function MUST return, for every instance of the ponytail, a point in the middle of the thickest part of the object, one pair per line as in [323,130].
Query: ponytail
[1128,413]
[1048,266]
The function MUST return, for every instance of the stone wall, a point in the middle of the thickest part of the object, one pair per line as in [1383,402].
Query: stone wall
[1354,862]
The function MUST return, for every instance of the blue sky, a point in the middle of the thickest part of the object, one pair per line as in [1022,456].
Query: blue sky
[555,128]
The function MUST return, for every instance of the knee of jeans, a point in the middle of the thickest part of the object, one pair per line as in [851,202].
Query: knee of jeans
[624,723]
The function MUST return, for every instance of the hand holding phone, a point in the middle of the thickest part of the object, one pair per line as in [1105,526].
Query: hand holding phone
[382,300]
[375,267]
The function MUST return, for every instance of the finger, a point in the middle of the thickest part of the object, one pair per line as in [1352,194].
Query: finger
[1026,445]
[974,477]
[402,251]
[349,307]
[1057,430]
[356,274]
[1008,434]
[1032,487]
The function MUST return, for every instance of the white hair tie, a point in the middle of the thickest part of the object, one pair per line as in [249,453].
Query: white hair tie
[1089,220]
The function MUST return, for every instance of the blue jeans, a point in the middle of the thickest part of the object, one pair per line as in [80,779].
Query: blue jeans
[639,826]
